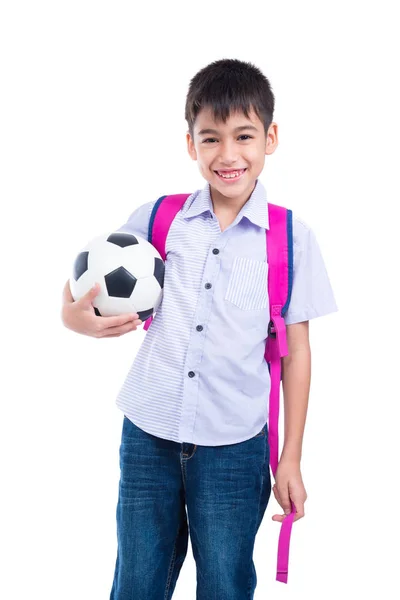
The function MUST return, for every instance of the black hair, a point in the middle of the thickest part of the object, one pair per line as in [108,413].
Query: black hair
[229,85]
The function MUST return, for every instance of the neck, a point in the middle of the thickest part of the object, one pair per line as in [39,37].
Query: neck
[223,203]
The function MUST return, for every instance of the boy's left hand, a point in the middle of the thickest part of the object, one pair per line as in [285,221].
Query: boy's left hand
[289,486]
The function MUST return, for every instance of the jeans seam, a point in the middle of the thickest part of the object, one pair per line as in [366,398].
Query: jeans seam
[261,433]
[258,513]
[171,565]
[186,456]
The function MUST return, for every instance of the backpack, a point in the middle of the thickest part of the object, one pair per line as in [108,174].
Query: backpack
[279,247]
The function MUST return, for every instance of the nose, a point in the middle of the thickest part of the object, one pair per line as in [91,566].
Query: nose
[228,153]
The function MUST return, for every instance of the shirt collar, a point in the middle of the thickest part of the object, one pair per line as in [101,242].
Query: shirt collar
[255,209]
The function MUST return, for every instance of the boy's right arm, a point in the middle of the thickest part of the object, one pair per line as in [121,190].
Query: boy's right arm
[79,316]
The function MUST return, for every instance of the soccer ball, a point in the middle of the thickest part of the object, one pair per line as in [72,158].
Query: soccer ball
[128,268]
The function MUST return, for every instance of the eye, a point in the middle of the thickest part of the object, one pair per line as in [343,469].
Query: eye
[241,136]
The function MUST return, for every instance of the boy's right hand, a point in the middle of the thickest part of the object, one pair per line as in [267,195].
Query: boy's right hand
[79,316]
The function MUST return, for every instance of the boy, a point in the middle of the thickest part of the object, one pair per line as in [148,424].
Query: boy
[195,401]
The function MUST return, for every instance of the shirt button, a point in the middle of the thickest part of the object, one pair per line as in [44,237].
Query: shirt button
[191,373]
[207,286]
[199,327]
[215,251]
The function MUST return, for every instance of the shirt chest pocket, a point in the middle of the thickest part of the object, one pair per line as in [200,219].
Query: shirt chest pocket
[248,284]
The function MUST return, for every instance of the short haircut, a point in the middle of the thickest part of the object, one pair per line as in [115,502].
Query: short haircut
[229,85]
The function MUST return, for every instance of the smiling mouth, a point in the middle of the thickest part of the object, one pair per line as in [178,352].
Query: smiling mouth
[230,175]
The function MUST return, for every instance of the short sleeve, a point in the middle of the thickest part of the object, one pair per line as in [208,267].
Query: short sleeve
[138,221]
[312,295]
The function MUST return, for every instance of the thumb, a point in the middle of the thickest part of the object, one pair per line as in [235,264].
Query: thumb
[91,294]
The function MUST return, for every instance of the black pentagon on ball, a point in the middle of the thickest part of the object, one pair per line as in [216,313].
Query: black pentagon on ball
[145,314]
[97,312]
[159,270]
[120,283]
[80,265]
[122,239]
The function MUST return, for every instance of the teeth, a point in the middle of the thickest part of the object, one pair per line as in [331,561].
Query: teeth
[230,175]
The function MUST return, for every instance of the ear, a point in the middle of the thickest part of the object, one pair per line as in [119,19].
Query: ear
[190,146]
[271,143]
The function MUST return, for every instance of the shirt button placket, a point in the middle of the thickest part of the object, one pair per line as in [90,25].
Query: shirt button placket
[190,410]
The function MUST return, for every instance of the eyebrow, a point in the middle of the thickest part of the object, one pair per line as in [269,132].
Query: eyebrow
[241,128]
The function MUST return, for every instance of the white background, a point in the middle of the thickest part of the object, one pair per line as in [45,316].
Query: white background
[92,126]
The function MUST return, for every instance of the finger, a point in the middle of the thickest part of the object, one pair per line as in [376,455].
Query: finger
[117,331]
[277,495]
[120,330]
[279,518]
[90,295]
[299,512]
[285,499]
[117,321]
[298,515]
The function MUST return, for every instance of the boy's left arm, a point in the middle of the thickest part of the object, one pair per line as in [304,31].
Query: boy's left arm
[296,377]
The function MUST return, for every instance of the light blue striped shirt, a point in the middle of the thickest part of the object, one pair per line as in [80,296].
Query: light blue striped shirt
[200,375]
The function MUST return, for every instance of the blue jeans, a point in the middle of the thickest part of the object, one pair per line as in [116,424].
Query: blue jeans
[225,491]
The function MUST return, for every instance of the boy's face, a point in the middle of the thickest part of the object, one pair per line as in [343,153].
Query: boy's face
[227,148]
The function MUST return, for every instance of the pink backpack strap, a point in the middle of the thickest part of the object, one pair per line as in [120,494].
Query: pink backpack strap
[279,241]
[163,213]
[280,276]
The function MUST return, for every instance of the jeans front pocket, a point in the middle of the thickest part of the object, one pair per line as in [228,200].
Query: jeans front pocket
[248,284]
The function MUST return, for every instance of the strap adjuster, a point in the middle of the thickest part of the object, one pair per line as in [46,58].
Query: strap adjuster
[271,330]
